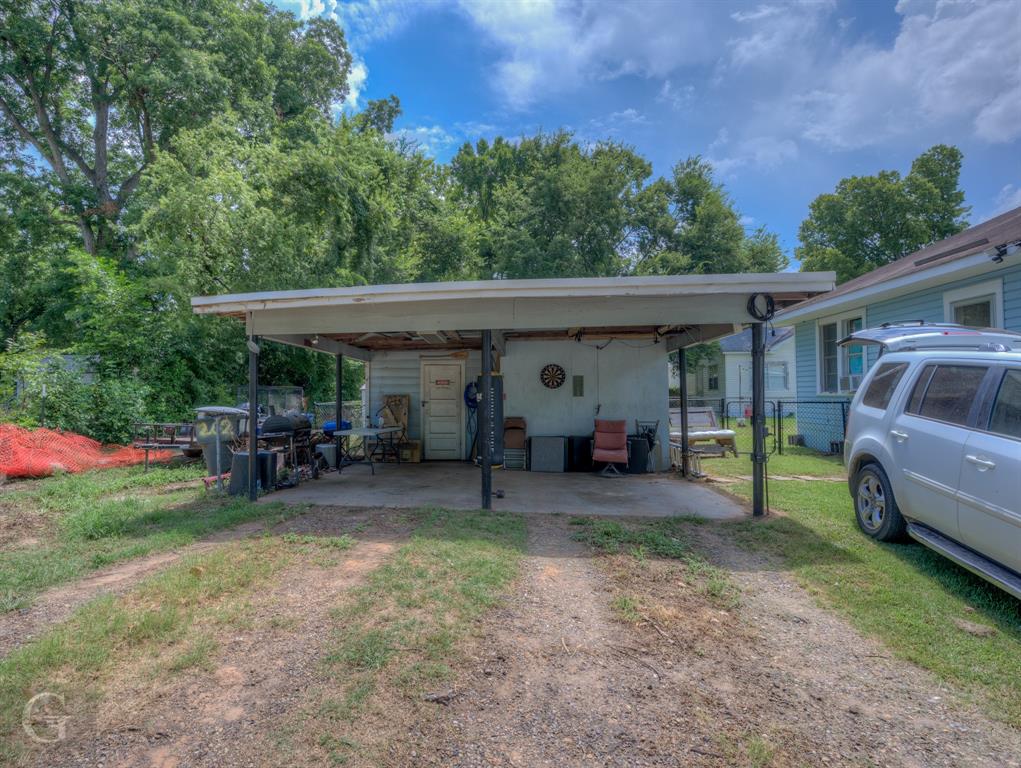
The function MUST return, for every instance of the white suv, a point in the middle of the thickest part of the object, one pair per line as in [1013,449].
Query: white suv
[933,444]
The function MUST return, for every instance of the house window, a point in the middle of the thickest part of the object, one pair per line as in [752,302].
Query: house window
[776,376]
[977,313]
[840,368]
[978,306]
[712,377]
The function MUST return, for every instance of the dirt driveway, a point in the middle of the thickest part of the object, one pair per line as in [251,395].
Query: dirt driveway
[565,671]
[558,679]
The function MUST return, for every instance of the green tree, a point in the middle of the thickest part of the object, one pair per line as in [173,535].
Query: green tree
[549,207]
[703,231]
[98,87]
[869,221]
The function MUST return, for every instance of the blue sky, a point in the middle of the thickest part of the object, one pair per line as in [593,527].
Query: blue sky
[786,98]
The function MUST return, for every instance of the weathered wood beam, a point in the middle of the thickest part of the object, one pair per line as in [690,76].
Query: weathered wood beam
[322,344]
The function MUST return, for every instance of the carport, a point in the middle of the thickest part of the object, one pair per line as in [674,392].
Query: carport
[662,314]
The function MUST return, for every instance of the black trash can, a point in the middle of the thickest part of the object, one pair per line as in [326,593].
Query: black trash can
[579,453]
[638,459]
[239,472]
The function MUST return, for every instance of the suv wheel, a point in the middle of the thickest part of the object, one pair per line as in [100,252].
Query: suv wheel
[874,505]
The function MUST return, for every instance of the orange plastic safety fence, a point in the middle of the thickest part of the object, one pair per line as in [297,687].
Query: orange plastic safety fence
[41,452]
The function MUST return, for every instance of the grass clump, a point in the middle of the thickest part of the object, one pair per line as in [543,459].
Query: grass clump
[400,631]
[95,519]
[908,596]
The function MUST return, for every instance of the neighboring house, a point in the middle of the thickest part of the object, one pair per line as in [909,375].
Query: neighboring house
[727,375]
[972,278]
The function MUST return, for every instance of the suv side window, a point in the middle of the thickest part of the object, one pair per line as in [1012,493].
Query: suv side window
[947,392]
[1006,416]
[883,384]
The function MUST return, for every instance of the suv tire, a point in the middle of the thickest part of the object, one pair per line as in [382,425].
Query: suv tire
[874,506]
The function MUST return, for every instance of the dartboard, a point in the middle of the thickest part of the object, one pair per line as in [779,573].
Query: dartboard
[552,376]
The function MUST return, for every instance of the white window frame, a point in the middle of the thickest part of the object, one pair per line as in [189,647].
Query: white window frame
[992,288]
[841,321]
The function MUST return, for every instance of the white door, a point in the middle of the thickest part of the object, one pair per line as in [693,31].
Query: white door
[990,510]
[927,440]
[442,401]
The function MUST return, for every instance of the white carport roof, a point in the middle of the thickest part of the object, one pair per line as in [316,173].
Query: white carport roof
[681,309]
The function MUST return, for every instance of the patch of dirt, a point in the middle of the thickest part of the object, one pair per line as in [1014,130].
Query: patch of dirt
[57,604]
[20,528]
[260,672]
[557,679]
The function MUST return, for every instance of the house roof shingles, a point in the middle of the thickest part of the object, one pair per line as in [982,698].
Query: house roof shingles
[742,342]
[999,230]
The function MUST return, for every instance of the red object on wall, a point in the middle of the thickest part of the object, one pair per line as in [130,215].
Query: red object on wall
[41,452]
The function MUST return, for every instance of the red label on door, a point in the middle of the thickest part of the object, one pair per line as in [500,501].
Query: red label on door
[442,382]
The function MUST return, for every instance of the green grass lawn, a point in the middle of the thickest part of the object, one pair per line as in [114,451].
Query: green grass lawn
[86,521]
[904,594]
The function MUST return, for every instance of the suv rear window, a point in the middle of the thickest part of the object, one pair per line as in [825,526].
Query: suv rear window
[883,384]
[946,392]
[1006,416]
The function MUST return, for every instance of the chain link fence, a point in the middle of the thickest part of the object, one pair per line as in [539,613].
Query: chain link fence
[816,425]
[813,425]
[326,411]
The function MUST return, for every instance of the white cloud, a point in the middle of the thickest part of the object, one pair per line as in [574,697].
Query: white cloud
[474,129]
[675,97]
[366,21]
[761,12]
[1008,198]
[951,64]
[761,153]
[775,36]
[431,139]
[616,122]
[356,80]
[548,47]
[309,8]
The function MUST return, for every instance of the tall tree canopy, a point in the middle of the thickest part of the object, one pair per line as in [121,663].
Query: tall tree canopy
[150,152]
[550,207]
[869,221]
[98,87]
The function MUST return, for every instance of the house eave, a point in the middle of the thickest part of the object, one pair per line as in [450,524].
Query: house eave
[971,266]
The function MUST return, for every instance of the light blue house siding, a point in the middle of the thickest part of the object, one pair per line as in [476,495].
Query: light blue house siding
[822,424]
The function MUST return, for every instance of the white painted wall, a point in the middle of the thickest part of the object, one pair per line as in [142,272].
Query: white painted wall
[626,381]
[738,381]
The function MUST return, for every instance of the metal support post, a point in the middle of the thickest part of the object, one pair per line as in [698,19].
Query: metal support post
[682,367]
[485,425]
[253,418]
[758,420]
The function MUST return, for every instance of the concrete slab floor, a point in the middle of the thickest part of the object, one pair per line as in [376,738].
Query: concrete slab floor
[454,485]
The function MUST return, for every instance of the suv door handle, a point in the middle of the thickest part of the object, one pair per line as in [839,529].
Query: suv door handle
[899,436]
[982,464]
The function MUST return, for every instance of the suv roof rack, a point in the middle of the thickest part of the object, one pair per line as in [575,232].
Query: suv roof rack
[918,334]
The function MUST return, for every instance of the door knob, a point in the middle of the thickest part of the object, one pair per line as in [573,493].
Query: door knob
[899,436]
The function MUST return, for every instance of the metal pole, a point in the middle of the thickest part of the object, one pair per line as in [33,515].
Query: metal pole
[758,419]
[485,425]
[682,367]
[253,417]
[219,469]
[339,414]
